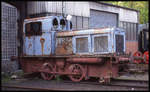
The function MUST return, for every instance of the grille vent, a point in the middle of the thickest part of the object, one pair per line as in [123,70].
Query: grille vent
[119,43]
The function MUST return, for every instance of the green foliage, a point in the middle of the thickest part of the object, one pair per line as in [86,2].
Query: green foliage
[58,78]
[141,6]
[5,78]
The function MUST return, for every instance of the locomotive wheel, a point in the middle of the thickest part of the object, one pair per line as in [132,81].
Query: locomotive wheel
[137,54]
[146,54]
[47,68]
[78,69]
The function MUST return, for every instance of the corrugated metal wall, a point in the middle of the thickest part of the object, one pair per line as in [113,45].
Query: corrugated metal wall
[131,30]
[72,8]
[8,36]
[124,14]
[80,22]
[79,11]
[143,26]
[102,19]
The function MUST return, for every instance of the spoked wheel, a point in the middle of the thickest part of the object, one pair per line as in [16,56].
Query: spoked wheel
[78,69]
[139,54]
[46,68]
[146,54]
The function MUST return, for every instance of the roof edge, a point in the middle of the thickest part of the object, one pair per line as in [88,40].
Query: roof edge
[116,6]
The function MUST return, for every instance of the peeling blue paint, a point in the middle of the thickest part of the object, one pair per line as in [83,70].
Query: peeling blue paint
[45,44]
[111,41]
[33,44]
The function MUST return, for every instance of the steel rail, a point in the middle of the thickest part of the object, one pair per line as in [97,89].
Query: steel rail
[129,84]
[116,83]
[35,88]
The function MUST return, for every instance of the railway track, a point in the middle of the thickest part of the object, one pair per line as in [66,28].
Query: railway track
[114,85]
[33,88]
[119,83]
[131,83]
[6,87]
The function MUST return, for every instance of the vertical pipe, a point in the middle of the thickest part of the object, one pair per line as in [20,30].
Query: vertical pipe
[56,8]
[82,22]
[130,28]
[62,8]
[76,23]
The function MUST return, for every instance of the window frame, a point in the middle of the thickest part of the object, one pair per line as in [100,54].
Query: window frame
[100,35]
[74,44]
[124,39]
[32,33]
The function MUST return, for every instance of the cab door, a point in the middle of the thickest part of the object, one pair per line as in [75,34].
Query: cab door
[28,45]
[38,38]
[42,38]
[43,44]
[33,30]
[28,39]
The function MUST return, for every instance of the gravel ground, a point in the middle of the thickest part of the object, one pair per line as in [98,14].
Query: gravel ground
[142,76]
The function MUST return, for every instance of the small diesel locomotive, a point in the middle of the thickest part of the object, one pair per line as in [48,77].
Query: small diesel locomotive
[143,46]
[52,48]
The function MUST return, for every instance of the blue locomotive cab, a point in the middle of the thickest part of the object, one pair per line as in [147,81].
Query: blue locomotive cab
[39,35]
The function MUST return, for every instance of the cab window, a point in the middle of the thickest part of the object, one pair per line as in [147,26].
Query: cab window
[33,28]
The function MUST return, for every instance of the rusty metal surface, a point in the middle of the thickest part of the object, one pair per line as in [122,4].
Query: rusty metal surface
[124,59]
[78,69]
[85,60]
[61,67]
[104,70]
[39,18]
[69,56]
[83,32]
[64,46]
